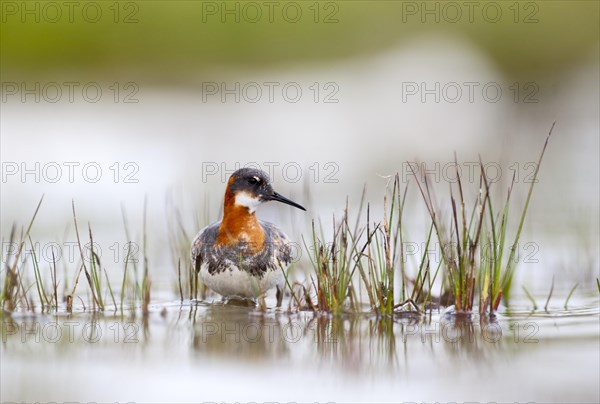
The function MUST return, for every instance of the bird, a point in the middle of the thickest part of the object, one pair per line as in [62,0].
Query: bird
[240,256]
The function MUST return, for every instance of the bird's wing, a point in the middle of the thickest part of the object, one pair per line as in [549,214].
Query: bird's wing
[204,240]
[282,249]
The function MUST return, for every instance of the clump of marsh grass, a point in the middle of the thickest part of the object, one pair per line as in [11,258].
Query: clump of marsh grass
[382,250]
[473,250]
[334,268]
[477,258]
[93,278]
[366,258]
[100,292]
[497,273]
[458,244]
[188,283]
[384,254]
[13,290]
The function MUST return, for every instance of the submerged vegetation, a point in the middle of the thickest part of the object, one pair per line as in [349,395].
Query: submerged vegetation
[362,266]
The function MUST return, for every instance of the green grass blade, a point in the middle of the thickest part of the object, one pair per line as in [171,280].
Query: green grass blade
[124,282]
[549,295]
[6,293]
[510,264]
[569,295]
[112,295]
[38,278]
[531,299]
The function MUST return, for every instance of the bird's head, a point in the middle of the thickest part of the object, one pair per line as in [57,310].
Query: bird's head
[249,187]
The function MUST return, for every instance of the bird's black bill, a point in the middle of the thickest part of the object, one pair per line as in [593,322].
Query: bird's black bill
[283,199]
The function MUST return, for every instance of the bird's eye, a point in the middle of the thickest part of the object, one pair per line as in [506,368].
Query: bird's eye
[253,180]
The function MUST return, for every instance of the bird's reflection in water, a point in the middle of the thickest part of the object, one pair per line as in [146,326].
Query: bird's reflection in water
[353,342]
[244,332]
[249,334]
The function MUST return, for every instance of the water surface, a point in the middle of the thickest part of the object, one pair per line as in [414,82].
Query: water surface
[198,351]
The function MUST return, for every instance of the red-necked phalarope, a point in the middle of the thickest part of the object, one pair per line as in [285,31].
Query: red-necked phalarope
[241,256]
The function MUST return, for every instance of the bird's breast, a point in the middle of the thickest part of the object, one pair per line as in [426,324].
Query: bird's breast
[241,226]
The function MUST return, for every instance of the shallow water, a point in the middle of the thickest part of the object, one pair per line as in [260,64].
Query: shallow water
[214,352]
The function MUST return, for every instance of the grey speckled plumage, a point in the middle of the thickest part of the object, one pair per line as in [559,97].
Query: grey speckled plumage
[276,252]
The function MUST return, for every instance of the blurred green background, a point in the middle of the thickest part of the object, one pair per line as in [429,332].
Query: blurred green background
[174,41]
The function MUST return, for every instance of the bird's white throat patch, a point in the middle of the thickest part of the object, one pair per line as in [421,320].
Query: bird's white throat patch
[247,200]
